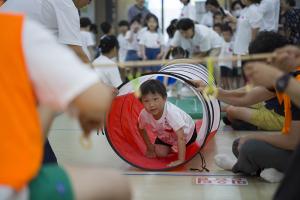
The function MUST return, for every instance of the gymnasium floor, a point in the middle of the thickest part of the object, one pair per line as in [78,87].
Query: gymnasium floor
[64,138]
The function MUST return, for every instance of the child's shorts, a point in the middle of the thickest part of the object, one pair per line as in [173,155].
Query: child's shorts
[51,183]
[192,140]
[266,119]
[237,71]
[226,71]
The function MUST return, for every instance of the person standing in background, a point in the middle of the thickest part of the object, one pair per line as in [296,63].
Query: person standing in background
[188,10]
[88,40]
[270,10]
[123,28]
[136,9]
[290,21]
[59,16]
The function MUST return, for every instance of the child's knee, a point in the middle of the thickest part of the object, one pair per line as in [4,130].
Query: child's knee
[162,150]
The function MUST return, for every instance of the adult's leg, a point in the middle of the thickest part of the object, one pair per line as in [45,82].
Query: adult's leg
[239,113]
[289,187]
[254,156]
[93,183]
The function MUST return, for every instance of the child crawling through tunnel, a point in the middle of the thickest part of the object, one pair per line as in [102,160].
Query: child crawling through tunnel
[175,129]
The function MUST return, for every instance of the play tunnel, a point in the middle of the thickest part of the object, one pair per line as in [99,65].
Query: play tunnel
[121,125]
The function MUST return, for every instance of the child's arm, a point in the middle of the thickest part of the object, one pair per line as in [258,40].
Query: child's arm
[181,148]
[161,54]
[143,52]
[150,147]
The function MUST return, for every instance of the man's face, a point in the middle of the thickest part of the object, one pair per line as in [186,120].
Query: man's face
[140,2]
[188,34]
[81,3]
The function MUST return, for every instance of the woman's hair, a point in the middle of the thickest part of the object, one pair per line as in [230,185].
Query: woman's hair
[185,24]
[214,3]
[108,43]
[152,16]
[172,28]
[177,52]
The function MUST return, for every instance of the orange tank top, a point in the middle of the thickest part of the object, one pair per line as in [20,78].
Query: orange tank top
[21,140]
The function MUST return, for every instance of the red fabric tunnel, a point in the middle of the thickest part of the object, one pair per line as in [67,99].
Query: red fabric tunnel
[123,135]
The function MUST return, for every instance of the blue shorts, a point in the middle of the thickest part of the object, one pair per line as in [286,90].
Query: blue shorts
[152,54]
[132,55]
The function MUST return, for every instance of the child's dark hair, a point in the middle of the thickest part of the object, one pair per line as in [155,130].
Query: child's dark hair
[255,1]
[137,18]
[177,51]
[218,25]
[226,28]
[214,3]
[85,22]
[106,27]
[267,41]
[123,23]
[108,43]
[291,3]
[94,29]
[235,3]
[172,28]
[153,86]
[185,24]
[149,16]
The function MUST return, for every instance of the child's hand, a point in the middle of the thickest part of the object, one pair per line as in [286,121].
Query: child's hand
[150,153]
[175,163]
[159,56]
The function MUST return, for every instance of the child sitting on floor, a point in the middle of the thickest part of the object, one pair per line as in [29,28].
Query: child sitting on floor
[173,127]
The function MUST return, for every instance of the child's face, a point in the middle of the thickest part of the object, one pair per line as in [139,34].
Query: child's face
[227,36]
[188,34]
[152,24]
[123,29]
[218,19]
[154,104]
[218,30]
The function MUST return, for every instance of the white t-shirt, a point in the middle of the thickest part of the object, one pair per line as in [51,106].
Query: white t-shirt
[108,75]
[134,43]
[249,19]
[59,16]
[123,47]
[270,10]
[226,50]
[87,41]
[188,11]
[57,74]
[152,40]
[205,39]
[207,19]
[172,120]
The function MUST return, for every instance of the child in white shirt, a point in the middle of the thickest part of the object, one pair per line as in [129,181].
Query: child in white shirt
[109,75]
[226,51]
[152,42]
[188,10]
[174,128]
[123,28]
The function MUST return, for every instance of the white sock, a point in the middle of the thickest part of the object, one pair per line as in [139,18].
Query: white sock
[224,161]
[271,175]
